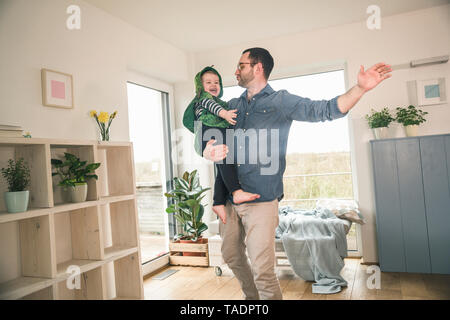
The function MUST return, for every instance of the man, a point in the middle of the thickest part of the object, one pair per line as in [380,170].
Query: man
[252,225]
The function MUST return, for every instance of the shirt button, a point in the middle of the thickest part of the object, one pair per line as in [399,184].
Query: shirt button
[264,110]
[246,113]
[239,165]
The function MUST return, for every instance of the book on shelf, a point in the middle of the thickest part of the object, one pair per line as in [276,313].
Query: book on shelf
[7,127]
[11,134]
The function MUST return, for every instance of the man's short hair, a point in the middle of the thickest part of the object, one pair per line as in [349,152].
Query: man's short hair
[261,55]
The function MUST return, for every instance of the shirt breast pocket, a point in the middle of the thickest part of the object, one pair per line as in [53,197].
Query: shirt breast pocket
[265,116]
[266,110]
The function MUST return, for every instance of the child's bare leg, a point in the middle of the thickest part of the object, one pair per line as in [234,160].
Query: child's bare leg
[240,196]
[221,213]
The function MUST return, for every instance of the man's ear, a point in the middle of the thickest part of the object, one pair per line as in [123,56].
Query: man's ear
[259,68]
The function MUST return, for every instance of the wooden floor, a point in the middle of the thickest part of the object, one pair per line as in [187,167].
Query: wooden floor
[201,283]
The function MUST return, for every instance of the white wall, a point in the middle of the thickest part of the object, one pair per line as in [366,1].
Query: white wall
[405,37]
[101,56]
[33,35]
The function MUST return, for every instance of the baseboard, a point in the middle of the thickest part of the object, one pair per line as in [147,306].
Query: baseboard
[368,263]
[154,265]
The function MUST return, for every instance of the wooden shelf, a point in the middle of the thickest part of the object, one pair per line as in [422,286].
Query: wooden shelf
[31,213]
[41,243]
[36,212]
[114,253]
[20,287]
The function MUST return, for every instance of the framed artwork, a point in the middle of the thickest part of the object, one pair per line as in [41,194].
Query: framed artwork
[431,92]
[57,89]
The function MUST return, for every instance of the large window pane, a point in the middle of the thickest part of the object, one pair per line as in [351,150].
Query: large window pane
[318,154]
[147,134]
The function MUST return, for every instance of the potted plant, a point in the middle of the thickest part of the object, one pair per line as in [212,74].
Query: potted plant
[410,118]
[379,122]
[17,174]
[74,175]
[187,207]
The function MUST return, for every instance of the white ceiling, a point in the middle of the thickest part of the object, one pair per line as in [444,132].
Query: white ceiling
[198,25]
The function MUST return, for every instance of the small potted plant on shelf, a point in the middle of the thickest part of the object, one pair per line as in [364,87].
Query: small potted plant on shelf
[379,122]
[188,209]
[410,118]
[74,175]
[17,174]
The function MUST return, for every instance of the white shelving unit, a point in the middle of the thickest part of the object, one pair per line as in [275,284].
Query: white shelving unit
[100,235]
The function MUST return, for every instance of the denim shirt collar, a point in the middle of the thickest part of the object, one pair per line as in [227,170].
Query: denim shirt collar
[265,91]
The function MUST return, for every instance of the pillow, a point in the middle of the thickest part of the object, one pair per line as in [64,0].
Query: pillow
[344,209]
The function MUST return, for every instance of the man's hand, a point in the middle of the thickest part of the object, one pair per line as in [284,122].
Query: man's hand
[228,115]
[215,153]
[370,78]
[367,80]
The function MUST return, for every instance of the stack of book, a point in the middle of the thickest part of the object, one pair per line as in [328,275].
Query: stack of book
[10,131]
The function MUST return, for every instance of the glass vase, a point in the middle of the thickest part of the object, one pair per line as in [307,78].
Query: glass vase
[104,135]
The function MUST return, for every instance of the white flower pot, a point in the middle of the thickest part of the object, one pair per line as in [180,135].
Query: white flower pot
[411,131]
[17,201]
[380,133]
[78,193]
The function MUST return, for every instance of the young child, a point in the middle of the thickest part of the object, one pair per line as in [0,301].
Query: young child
[214,114]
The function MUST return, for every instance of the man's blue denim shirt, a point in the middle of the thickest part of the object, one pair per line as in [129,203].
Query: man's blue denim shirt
[261,134]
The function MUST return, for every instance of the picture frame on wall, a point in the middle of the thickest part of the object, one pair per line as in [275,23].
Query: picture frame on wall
[57,89]
[430,92]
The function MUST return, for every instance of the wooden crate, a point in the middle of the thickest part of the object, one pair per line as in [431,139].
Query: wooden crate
[176,253]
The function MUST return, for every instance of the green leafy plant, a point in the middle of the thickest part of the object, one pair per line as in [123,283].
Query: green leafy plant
[379,119]
[17,174]
[73,171]
[187,208]
[410,116]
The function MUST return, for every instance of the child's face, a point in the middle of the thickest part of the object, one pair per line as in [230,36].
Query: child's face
[211,83]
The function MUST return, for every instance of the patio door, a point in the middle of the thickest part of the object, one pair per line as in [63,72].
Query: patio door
[149,125]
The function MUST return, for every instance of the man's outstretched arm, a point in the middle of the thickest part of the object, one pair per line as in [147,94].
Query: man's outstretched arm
[367,80]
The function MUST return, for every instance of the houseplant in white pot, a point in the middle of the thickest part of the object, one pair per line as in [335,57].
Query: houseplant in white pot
[410,118]
[17,174]
[74,175]
[379,122]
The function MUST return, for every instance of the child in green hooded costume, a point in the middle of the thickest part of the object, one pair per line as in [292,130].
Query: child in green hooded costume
[213,115]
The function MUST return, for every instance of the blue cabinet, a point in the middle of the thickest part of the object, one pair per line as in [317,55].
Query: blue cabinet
[412,193]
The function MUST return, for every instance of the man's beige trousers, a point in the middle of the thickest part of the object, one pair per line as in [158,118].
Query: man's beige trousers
[252,226]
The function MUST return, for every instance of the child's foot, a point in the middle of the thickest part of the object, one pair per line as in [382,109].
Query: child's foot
[221,213]
[240,196]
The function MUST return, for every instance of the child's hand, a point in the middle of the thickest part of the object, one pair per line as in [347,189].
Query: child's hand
[228,115]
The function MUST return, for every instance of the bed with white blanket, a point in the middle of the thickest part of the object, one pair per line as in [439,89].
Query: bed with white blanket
[315,242]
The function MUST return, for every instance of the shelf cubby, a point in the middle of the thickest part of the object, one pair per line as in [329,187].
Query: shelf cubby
[116,174]
[122,225]
[48,293]
[91,287]
[127,272]
[85,153]
[36,156]
[26,263]
[77,237]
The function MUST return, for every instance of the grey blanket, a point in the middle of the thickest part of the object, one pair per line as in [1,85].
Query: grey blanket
[315,244]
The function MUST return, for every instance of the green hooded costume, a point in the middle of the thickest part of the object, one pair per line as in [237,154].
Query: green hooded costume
[205,117]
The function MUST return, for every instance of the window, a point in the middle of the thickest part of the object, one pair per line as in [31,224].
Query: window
[318,154]
[150,134]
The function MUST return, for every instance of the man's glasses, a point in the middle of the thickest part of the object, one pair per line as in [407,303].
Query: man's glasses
[240,65]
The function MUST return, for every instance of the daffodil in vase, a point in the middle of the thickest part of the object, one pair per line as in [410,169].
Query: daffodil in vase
[104,122]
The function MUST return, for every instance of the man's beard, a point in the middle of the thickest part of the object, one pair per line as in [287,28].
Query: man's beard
[244,82]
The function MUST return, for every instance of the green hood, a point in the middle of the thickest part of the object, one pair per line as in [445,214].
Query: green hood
[200,93]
